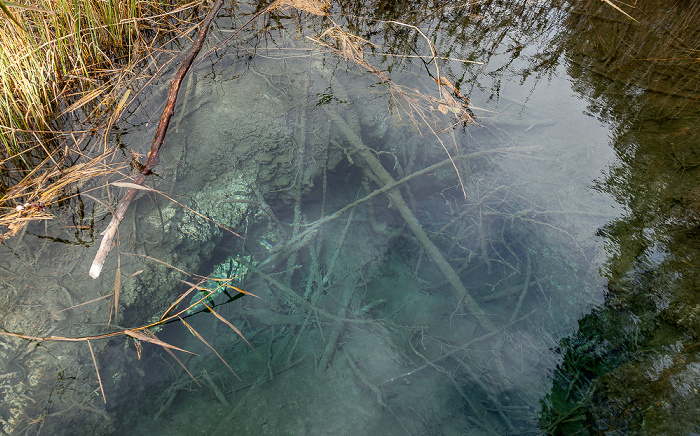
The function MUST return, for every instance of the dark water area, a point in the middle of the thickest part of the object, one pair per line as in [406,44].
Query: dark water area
[464,219]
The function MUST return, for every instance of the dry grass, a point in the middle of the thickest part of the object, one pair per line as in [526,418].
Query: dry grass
[67,65]
[421,109]
[63,56]
[45,186]
[313,7]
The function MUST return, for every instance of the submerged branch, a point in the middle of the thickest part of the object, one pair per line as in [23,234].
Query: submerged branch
[111,231]
[372,164]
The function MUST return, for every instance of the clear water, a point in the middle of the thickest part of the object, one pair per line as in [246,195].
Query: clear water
[355,324]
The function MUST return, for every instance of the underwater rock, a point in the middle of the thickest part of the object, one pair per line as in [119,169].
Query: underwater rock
[224,201]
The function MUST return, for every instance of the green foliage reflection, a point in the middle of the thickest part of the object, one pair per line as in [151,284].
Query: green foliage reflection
[633,366]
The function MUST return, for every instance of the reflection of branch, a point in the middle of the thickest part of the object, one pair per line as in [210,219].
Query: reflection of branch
[442,58]
[374,166]
[485,426]
[351,48]
[447,354]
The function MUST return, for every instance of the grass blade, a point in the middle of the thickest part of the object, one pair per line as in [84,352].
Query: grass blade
[99,379]
[150,333]
[9,14]
[117,288]
[225,321]
[194,332]
[193,287]
[141,337]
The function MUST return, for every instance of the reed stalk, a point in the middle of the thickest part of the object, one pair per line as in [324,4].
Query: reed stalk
[66,66]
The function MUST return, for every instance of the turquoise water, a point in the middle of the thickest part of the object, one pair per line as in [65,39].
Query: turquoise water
[427,246]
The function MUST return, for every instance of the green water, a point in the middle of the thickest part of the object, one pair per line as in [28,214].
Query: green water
[533,271]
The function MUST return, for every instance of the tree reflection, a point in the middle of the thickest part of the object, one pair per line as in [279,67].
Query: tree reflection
[633,364]
[471,31]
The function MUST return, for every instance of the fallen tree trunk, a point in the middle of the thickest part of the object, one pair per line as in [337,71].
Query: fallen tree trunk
[398,201]
[111,230]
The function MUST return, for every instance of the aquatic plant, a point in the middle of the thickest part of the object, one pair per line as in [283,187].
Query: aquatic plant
[221,281]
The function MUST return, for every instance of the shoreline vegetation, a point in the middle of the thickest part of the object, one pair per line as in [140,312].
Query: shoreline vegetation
[67,72]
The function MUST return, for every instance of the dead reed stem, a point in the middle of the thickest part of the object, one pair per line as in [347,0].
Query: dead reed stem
[97,370]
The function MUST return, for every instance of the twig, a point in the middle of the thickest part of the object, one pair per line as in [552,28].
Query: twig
[508,291]
[342,310]
[456,385]
[150,333]
[82,304]
[339,246]
[212,385]
[270,354]
[372,387]
[162,409]
[173,389]
[333,338]
[89,408]
[478,380]
[526,285]
[111,231]
[463,347]
[296,297]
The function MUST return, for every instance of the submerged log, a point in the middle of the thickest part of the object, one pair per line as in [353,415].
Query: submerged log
[373,165]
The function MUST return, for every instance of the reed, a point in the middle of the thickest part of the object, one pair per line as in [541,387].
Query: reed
[67,69]
[58,63]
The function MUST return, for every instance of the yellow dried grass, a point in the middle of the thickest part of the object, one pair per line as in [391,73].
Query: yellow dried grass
[314,7]
[63,55]
[47,184]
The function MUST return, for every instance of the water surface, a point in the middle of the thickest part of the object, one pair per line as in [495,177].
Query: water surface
[427,244]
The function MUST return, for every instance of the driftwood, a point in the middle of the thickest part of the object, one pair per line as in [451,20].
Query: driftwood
[152,160]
